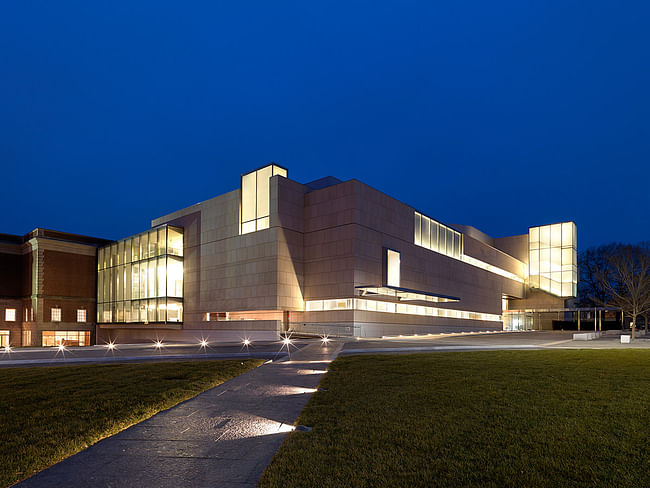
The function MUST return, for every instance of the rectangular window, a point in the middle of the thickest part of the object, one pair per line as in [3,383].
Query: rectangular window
[81,315]
[426,232]
[27,338]
[53,338]
[434,236]
[10,315]
[256,198]
[392,268]
[4,338]
[55,314]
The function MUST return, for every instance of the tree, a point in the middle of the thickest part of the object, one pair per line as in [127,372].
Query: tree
[624,276]
[592,263]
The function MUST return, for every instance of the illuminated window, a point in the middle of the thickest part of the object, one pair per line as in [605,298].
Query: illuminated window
[10,315]
[27,338]
[399,308]
[552,258]
[66,338]
[55,314]
[256,197]
[81,315]
[4,338]
[392,268]
[437,237]
[147,284]
[444,240]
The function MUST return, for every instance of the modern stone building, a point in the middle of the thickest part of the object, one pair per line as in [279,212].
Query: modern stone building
[48,288]
[326,257]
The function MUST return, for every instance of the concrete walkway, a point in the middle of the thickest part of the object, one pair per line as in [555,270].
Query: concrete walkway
[223,437]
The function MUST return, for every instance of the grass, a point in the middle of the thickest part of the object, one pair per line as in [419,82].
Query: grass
[47,414]
[478,419]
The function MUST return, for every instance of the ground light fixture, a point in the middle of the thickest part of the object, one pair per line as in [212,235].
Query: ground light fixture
[158,344]
[246,343]
[7,348]
[286,341]
[325,340]
[110,346]
[203,343]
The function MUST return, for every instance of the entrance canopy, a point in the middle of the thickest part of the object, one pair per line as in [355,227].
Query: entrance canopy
[398,294]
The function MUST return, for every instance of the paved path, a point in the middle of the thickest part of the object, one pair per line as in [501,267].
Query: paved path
[486,341]
[224,437]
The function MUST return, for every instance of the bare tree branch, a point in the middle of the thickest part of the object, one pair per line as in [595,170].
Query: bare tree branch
[624,276]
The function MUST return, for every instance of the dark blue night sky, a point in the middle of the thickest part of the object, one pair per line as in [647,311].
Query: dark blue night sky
[499,115]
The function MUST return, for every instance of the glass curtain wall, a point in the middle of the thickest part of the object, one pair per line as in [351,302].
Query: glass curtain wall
[437,237]
[553,261]
[140,278]
[255,198]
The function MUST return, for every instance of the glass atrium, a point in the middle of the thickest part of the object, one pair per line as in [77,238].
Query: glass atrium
[553,262]
[140,278]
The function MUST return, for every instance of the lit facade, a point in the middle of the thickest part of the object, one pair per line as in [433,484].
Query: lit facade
[340,258]
[140,278]
[553,258]
[325,257]
[48,283]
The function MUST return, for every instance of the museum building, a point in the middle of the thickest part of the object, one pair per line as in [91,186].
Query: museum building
[328,257]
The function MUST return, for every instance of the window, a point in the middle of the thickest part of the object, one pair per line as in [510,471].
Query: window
[81,315]
[66,338]
[10,315]
[441,239]
[56,314]
[437,237]
[146,284]
[399,308]
[255,198]
[392,268]
[552,258]
[4,338]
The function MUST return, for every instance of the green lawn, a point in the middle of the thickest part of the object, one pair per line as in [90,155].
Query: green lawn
[47,414]
[482,419]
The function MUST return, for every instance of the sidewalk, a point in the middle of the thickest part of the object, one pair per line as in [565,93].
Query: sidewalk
[223,437]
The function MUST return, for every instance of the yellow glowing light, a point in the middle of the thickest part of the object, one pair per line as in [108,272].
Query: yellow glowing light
[61,347]
[7,348]
[158,344]
[203,343]
[110,346]
[286,341]
[246,342]
[285,428]
[325,340]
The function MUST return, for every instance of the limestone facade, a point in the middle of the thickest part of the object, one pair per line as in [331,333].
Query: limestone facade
[325,241]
